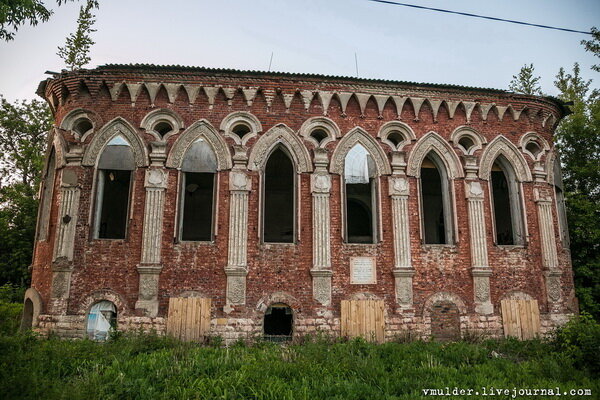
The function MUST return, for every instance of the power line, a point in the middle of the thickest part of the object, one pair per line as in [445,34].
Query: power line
[479,16]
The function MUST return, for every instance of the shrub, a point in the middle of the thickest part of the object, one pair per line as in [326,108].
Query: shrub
[579,340]
[11,293]
[10,318]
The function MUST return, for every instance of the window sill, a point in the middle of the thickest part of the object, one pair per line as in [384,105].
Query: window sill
[195,242]
[275,244]
[510,246]
[438,246]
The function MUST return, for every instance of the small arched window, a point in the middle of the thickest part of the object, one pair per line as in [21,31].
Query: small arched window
[360,191]
[506,201]
[199,170]
[115,169]
[47,191]
[101,320]
[279,198]
[436,202]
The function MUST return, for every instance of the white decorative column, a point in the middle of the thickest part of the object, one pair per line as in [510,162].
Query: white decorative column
[150,264]
[62,261]
[481,270]
[403,270]
[548,244]
[321,273]
[237,266]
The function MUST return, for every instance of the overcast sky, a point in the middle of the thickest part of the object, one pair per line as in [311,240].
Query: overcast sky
[317,36]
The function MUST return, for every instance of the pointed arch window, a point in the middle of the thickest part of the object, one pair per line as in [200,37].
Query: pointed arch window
[506,202]
[199,171]
[360,192]
[115,169]
[279,198]
[436,205]
[47,191]
[560,203]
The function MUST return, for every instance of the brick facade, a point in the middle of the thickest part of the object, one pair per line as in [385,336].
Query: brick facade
[467,278]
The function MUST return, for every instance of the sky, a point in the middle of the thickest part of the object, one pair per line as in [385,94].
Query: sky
[317,36]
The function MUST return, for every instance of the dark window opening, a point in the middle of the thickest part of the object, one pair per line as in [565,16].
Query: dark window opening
[466,142]
[163,128]
[359,212]
[197,206]
[434,223]
[279,207]
[319,135]
[46,202]
[241,130]
[533,148]
[395,137]
[114,202]
[27,321]
[278,323]
[502,210]
[82,125]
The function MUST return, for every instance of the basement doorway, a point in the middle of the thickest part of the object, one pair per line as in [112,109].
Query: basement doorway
[279,320]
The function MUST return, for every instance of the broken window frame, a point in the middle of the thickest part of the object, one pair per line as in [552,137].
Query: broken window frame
[47,194]
[447,189]
[515,202]
[294,196]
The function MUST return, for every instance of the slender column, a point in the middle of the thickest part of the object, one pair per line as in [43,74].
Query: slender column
[150,263]
[548,244]
[403,271]
[62,260]
[321,188]
[481,270]
[237,265]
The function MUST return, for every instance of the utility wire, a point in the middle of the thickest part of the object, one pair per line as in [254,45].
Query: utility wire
[479,16]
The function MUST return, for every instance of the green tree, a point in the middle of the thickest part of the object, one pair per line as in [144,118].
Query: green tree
[525,82]
[14,13]
[23,130]
[578,140]
[76,51]
[593,46]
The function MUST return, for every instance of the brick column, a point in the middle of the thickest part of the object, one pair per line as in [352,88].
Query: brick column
[321,188]
[481,270]
[548,244]
[403,270]
[237,265]
[62,260]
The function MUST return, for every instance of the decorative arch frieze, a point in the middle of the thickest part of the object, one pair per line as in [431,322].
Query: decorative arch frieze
[359,135]
[404,129]
[462,131]
[200,130]
[324,123]
[151,119]
[241,117]
[444,296]
[434,142]
[100,295]
[285,136]
[501,145]
[117,126]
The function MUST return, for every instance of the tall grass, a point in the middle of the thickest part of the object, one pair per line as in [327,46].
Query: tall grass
[151,367]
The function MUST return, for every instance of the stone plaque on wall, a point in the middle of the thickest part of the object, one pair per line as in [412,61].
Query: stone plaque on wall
[362,271]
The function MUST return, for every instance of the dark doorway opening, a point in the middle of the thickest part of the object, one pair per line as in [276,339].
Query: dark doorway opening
[278,323]
[27,321]
[433,204]
[502,211]
[114,203]
[279,204]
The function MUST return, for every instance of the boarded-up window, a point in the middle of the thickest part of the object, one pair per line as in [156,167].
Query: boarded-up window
[445,321]
[189,318]
[520,318]
[363,318]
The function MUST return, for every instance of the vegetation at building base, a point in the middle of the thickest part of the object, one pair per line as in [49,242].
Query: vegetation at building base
[152,367]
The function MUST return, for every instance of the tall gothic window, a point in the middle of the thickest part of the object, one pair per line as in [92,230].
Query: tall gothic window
[199,169]
[436,202]
[279,198]
[47,191]
[360,191]
[560,203]
[115,169]
[506,201]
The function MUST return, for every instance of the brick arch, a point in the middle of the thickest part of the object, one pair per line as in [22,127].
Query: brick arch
[100,295]
[434,142]
[444,296]
[278,297]
[502,146]
[117,126]
[359,135]
[282,135]
[200,130]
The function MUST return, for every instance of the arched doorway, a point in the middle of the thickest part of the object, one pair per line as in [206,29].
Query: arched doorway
[278,323]
[101,320]
[27,321]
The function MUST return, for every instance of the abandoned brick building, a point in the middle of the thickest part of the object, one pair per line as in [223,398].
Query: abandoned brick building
[238,203]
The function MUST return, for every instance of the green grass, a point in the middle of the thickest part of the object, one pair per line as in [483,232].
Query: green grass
[151,367]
